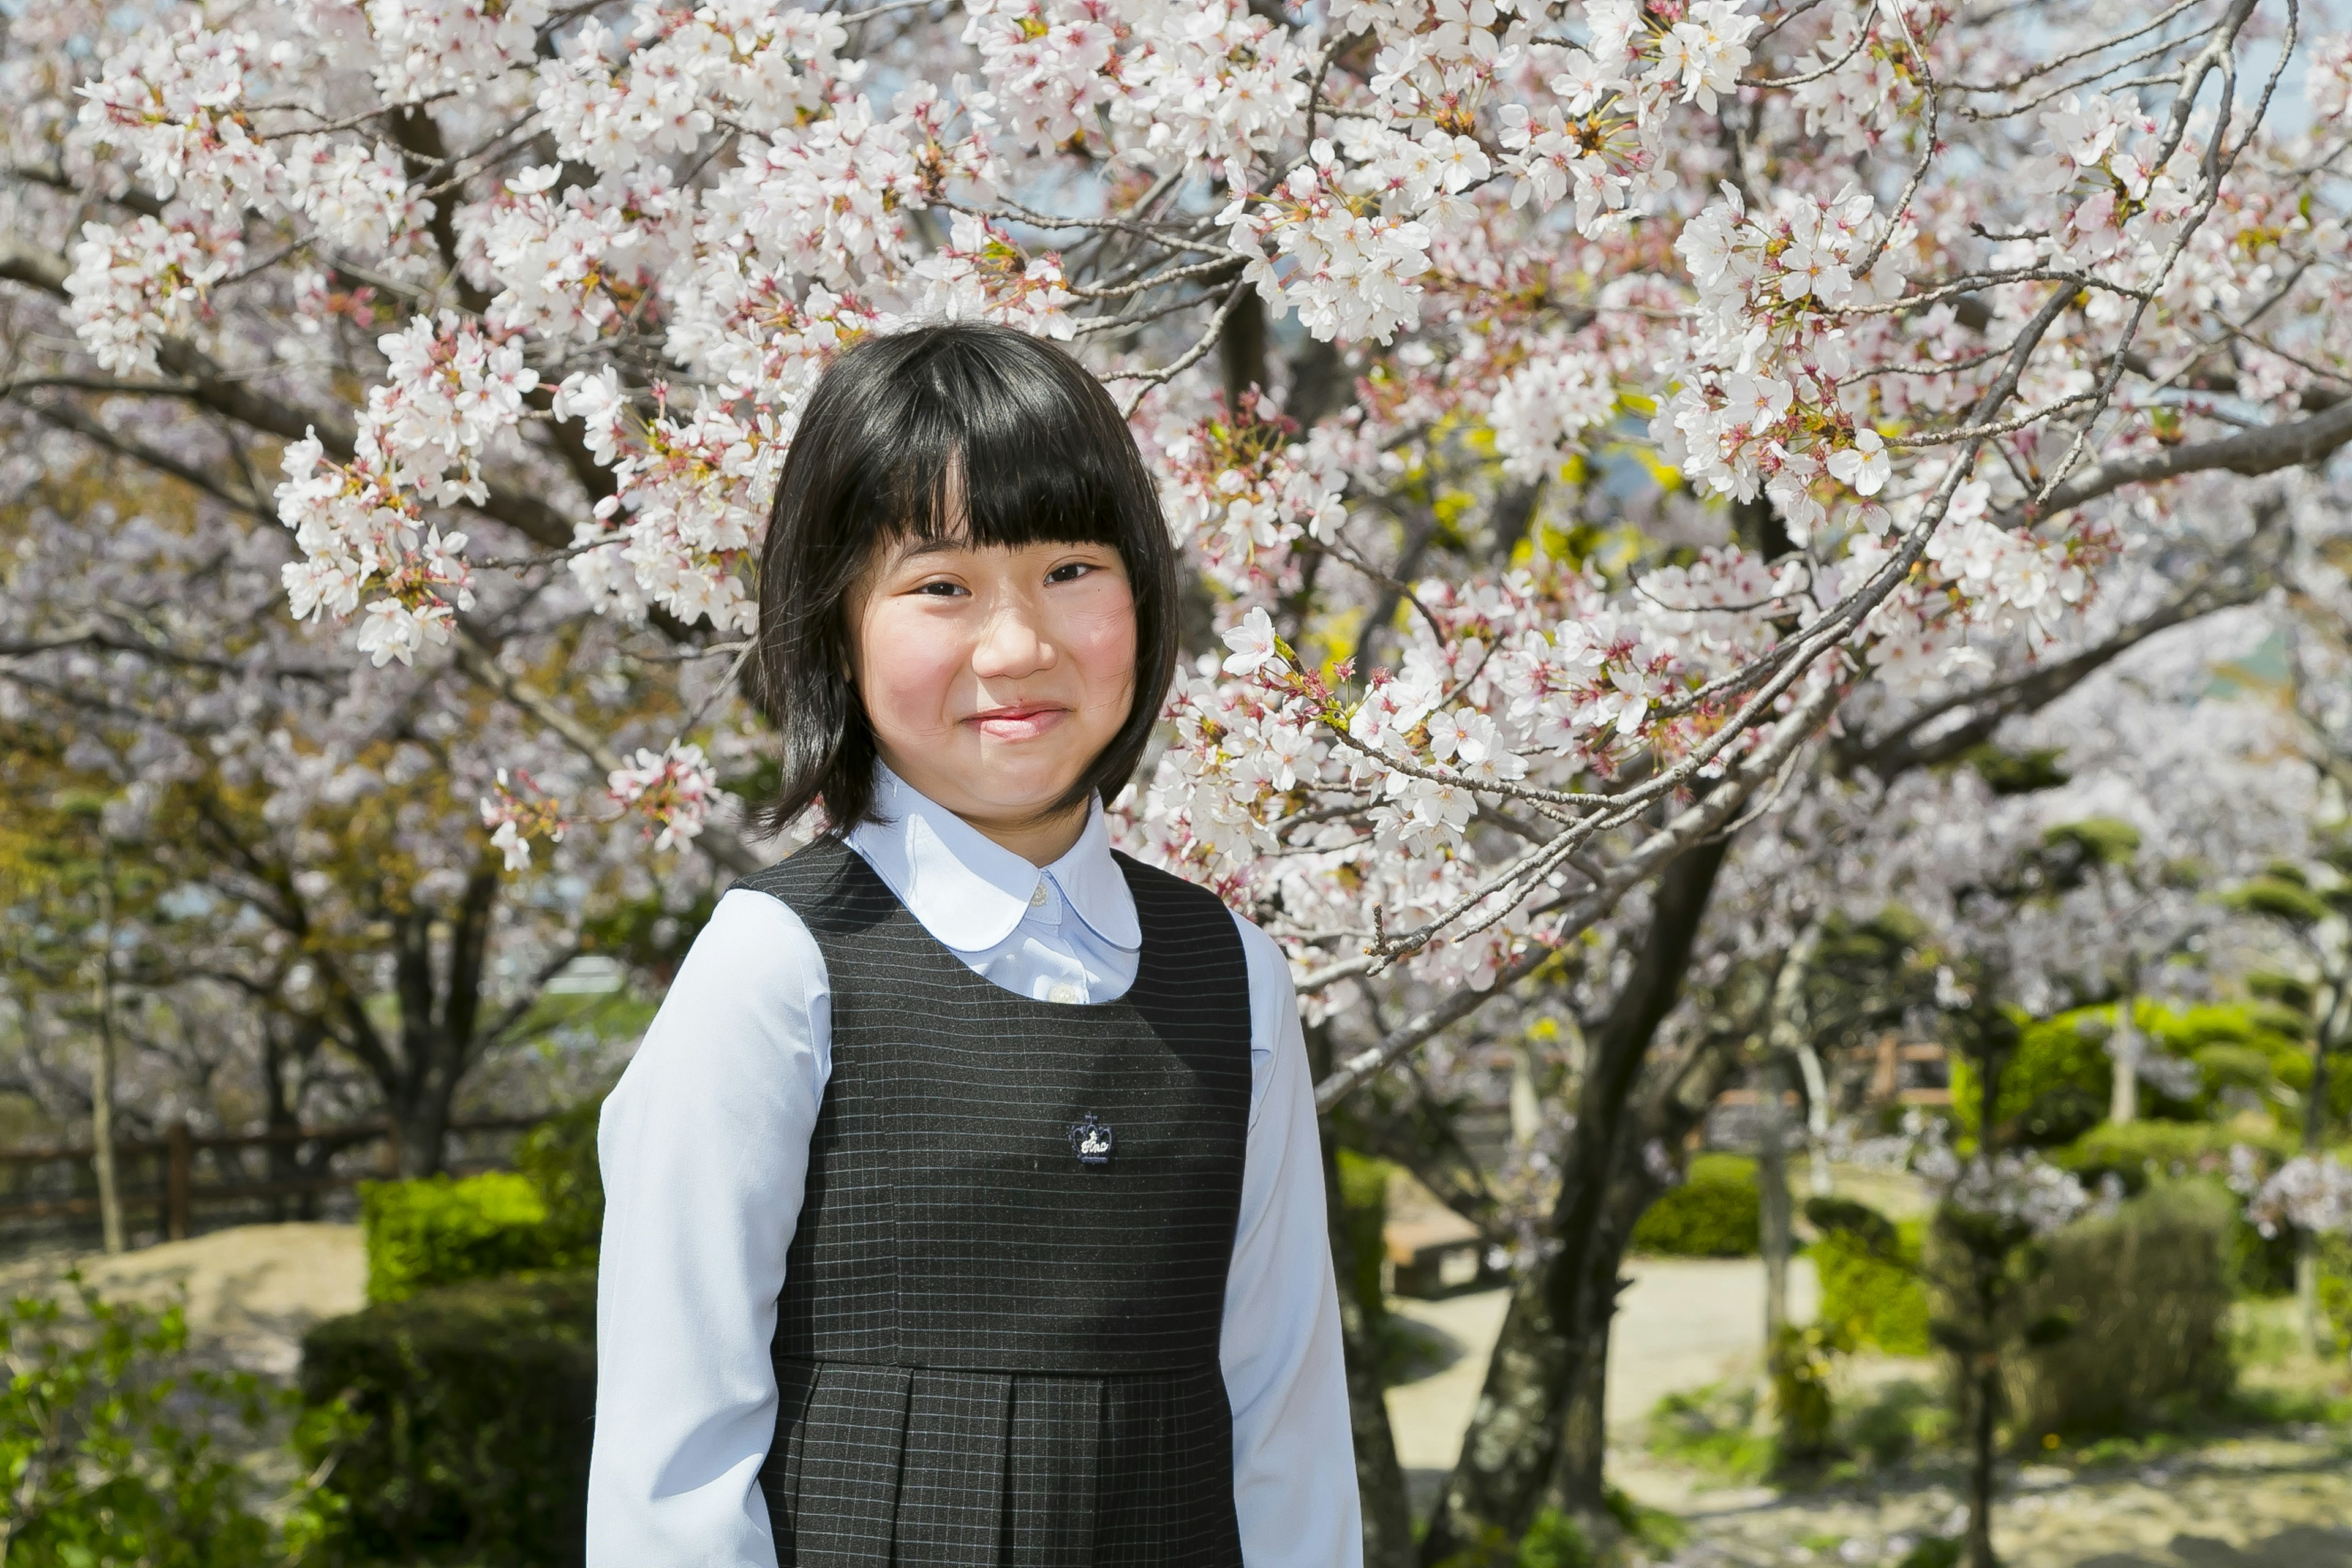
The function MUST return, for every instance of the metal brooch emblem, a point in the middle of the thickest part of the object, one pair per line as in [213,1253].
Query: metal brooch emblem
[1090,1141]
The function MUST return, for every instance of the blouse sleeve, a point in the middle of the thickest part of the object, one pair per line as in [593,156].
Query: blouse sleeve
[704,1147]
[1293,1457]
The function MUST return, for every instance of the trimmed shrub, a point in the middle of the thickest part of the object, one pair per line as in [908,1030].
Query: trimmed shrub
[1555,1541]
[1890,1423]
[473,1407]
[558,1158]
[1712,1213]
[2336,1292]
[1870,1282]
[2146,1292]
[442,1230]
[2060,1079]
[1364,1211]
[2058,1059]
[2146,1151]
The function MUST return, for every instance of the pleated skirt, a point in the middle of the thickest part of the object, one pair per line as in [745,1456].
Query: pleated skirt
[889,1467]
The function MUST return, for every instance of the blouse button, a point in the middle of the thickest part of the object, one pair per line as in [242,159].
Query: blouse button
[1064,995]
[1037,896]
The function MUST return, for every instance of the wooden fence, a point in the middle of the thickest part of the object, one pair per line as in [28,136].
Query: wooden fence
[174,1188]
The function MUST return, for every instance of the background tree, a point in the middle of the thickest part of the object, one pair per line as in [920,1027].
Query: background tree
[1576,413]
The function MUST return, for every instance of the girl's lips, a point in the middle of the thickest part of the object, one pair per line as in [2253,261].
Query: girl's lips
[1016,723]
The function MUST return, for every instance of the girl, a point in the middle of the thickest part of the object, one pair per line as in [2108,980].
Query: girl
[965,1203]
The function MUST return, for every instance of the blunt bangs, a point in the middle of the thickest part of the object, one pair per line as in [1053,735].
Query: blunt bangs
[966,431]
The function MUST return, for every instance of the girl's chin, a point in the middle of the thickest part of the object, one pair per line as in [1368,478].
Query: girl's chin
[1014,790]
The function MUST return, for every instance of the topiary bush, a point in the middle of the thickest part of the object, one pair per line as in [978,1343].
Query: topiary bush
[1869,1271]
[2146,1292]
[558,1158]
[2143,1152]
[442,1230]
[1712,1213]
[2059,1060]
[473,1407]
[1364,1211]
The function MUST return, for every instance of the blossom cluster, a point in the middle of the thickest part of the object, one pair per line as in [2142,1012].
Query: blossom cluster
[2010,1189]
[364,526]
[1243,490]
[2310,1193]
[674,790]
[601,257]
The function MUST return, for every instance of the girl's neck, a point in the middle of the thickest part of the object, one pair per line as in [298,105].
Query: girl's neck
[1041,841]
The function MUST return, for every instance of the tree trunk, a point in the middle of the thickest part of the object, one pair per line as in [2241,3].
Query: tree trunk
[1513,1442]
[1775,1223]
[101,1132]
[1982,1369]
[281,1160]
[420,1125]
[1773,1227]
[1789,1036]
[2125,1047]
[1579,1486]
[1380,1480]
[1241,350]
[1549,1336]
[101,1087]
[1982,1455]
[1817,1116]
[2306,1244]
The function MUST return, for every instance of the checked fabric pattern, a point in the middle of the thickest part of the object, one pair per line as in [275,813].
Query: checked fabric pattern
[987,1352]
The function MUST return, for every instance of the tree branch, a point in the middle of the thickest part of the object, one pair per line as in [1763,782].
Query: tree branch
[2252,453]
[1945,729]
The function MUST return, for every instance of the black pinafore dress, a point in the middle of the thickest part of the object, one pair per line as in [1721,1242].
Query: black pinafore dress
[997,1342]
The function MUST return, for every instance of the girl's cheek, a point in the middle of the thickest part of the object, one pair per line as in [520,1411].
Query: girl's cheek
[1103,634]
[912,663]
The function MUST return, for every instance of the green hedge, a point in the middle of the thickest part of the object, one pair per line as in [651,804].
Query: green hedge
[1870,1278]
[545,1214]
[558,1158]
[1712,1213]
[2062,1072]
[442,1230]
[474,1405]
[2147,1291]
[2144,1151]
[2336,1292]
[1364,1210]
[2058,1057]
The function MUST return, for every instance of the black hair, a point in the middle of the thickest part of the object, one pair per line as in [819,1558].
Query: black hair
[918,435]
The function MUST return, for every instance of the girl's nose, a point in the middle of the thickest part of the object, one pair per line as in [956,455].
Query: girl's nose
[1012,644]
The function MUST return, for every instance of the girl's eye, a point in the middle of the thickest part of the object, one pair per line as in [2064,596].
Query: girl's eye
[940,590]
[1069,572]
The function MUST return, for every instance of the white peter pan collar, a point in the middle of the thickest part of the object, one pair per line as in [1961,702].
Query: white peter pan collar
[970,891]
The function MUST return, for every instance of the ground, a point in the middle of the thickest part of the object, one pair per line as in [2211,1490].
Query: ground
[251,1290]
[2282,1500]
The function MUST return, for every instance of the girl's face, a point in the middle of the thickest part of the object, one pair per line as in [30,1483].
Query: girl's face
[993,676]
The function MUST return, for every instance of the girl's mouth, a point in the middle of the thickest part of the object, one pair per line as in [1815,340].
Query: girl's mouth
[1019,723]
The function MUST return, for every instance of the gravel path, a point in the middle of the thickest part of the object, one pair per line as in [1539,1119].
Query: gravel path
[251,1291]
[1683,1322]
[2276,1501]
[2281,1501]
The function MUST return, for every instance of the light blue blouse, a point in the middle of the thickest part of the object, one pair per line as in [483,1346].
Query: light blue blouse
[704,1147]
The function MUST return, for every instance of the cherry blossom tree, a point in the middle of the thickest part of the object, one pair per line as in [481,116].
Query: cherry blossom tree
[1590,420]
[311,925]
